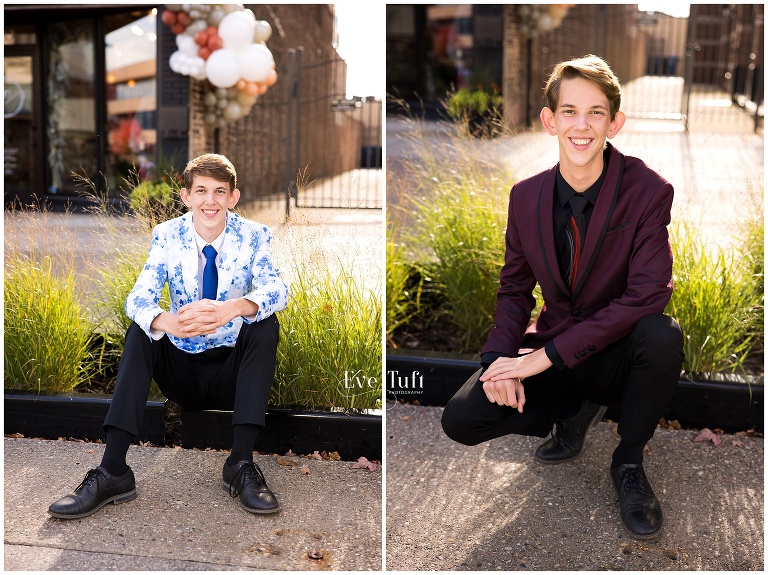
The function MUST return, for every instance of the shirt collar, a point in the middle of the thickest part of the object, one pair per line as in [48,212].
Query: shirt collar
[217,243]
[565,192]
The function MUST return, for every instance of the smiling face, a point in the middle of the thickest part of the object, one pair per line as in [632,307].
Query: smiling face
[209,199]
[581,121]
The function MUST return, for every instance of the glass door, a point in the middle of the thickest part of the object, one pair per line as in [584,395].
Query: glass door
[21,126]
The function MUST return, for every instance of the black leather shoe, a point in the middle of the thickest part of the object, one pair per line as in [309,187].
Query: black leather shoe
[246,481]
[567,441]
[96,490]
[640,510]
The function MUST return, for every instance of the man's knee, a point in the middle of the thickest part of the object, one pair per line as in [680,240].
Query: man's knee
[456,425]
[661,337]
[660,329]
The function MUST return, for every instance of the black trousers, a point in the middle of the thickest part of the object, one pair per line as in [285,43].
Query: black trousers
[235,378]
[638,373]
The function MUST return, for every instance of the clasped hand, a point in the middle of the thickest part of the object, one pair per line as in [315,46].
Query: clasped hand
[202,317]
[503,380]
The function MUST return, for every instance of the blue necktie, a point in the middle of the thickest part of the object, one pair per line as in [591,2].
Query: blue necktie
[210,274]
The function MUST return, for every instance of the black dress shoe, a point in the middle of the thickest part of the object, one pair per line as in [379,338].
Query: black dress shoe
[96,490]
[567,441]
[640,510]
[246,481]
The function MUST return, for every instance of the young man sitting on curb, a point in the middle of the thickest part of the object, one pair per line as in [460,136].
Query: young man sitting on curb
[214,349]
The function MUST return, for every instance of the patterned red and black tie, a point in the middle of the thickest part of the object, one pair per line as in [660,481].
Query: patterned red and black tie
[575,232]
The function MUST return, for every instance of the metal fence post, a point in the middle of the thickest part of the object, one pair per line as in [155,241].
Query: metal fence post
[289,123]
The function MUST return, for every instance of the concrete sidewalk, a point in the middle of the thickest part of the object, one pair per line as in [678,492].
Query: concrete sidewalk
[183,519]
[493,507]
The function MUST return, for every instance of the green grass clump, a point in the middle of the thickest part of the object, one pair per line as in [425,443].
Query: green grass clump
[47,337]
[461,222]
[717,299]
[330,334]
[402,303]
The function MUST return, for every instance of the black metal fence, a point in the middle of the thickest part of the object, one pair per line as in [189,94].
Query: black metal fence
[305,144]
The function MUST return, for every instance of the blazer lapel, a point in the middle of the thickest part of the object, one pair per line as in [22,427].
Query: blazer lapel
[601,216]
[188,256]
[233,239]
[546,227]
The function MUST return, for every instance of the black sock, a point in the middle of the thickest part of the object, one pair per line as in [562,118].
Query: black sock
[242,446]
[118,442]
[626,454]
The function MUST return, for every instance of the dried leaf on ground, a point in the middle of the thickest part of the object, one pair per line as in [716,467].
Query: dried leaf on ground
[646,449]
[290,453]
[737,443]
[315,456]
[145,443]
[707,435]
[304,469]
[286,462]
[15,435]
[334,455]
[749,433]
[406,418]
[615,431]
[363,463]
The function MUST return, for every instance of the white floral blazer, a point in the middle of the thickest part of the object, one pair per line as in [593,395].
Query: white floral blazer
[246,269]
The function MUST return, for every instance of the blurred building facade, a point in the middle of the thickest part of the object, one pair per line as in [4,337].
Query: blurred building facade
[664,60]
[89,92]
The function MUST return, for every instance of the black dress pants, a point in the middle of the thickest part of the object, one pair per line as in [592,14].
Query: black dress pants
[639,373]
[235,378]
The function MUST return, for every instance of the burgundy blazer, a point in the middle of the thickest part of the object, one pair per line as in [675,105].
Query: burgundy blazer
[626,270]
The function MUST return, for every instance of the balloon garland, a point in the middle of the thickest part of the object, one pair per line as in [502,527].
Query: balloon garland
[225,45]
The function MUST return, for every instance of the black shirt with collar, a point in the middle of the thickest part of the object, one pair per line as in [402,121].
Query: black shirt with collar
[561,213]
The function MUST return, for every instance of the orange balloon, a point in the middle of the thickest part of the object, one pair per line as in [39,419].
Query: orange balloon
[251,89]
[241,84]
[262,88]
[271,78]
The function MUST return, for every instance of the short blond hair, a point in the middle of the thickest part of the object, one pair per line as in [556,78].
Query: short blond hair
[214,166]
[591,68]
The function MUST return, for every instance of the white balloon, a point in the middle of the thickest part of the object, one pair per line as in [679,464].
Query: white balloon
[187,45]
[248,12]
[261,31]
[236,30]
[210,118]
[174,61]
[223,68]
[255,63]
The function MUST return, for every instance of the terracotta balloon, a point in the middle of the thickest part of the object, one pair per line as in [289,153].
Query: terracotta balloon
[214,42]
[177,29]
[184,19]
[241,85]
[169,17]
[201,38]
[251,89]
[204,52]
[262,88]
[271,78]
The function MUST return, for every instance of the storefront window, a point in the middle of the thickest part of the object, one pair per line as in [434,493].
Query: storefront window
[70,97]
[19,125]
[131,96]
